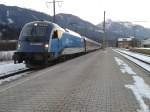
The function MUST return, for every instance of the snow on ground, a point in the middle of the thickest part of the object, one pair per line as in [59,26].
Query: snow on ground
[10,21]
[140,89]
[138,62]
[6,62]
[124,67]
[8,68]
[11,68]
[10,78]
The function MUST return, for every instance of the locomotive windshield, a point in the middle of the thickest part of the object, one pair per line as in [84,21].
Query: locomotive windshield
[34,33]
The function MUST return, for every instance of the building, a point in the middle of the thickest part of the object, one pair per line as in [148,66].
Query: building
[125,42]
[146,43]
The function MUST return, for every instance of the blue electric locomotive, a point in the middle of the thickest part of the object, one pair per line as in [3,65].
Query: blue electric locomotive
[42,41]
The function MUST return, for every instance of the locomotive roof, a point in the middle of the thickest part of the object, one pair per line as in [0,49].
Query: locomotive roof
[45,22]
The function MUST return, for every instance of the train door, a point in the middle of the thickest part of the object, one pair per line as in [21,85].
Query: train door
[55,44]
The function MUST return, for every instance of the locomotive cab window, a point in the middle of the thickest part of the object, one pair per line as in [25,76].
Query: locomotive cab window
[55,35]
[34,33]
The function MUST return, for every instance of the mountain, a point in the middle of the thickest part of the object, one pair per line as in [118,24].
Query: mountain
[126,29]
[12,15]
[78,25]
[13,18]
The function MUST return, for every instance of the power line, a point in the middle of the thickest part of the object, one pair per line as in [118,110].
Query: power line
[54,8]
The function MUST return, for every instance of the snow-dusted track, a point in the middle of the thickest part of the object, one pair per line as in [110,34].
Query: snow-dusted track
[11,69]
[139,59]
[8,68]
[142,57]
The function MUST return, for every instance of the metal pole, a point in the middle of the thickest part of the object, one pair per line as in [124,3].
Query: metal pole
[54,11]
[104,29]
[54,8]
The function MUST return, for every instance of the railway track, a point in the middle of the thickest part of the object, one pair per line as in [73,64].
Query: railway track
[18,72]
[138,61]
[6,75]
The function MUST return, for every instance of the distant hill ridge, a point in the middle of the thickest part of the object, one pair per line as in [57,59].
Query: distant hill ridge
[126,29]
[13,18]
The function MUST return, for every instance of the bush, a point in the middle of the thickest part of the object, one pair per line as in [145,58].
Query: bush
[6,55]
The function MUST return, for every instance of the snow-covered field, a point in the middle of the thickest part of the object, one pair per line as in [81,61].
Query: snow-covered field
[145,66]
[6,55]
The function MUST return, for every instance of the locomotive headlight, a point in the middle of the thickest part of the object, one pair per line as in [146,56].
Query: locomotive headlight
[46,46]
[35,24]
[18,46]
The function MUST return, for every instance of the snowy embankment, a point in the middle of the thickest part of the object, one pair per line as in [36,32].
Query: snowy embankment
[136,58]
[6,55]
[141,50]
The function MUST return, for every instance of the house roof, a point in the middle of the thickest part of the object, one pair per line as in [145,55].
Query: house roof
[125,39]
[146,42]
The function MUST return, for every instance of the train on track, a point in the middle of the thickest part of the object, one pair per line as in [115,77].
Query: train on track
[42,41]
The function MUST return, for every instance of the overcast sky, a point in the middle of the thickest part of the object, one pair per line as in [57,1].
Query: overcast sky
[92,10]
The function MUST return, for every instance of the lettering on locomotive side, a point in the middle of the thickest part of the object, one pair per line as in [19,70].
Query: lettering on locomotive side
[41,24]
